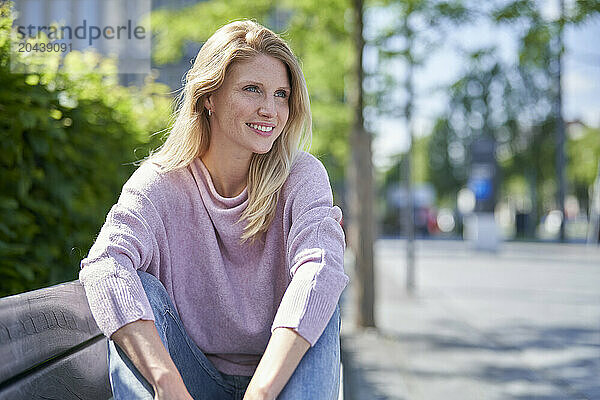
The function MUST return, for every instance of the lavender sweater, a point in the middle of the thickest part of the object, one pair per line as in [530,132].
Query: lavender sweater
[230,297]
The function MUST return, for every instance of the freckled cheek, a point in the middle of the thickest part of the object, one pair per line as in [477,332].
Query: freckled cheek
[283,112]
[242,105]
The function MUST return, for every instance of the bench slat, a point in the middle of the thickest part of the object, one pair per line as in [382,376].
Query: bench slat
[42,324]
[79,375]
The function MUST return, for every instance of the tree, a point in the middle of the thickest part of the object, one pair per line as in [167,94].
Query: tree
[68,141]
[514,104]
[494,100]
[409,36]
[360,178]
[583,150]
[540,53]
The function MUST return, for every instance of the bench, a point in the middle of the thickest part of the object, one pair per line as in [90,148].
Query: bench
[51,347]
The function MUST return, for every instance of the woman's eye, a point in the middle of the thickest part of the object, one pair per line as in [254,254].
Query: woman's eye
[281,93]
[252,89]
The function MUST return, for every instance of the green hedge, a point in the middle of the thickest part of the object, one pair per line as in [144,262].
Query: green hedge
[68,138]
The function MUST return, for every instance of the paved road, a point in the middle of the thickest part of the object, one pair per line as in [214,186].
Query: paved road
[523,323]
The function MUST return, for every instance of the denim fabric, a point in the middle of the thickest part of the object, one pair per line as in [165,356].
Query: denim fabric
[316,377]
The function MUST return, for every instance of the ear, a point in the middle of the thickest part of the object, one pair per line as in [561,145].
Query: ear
[208,104]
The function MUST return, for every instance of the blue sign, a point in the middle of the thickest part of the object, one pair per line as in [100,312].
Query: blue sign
[482,188]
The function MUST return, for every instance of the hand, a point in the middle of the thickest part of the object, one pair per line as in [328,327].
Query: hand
[284,351]
[179,394]
[171,388]
[256,394]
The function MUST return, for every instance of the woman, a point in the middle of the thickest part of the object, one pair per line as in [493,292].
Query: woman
[218,272]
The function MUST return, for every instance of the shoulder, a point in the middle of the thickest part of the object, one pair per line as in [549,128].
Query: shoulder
[149,180]
[146,179]
[308,178]
[307,167]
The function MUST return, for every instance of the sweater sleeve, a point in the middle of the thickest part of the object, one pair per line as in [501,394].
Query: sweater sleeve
[315,252]
[125,244]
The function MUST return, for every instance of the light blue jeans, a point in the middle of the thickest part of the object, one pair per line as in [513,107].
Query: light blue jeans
[316,377]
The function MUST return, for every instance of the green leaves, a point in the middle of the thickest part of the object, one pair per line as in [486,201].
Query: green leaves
[584,147]
[67,142]
[525,94]
[174,28]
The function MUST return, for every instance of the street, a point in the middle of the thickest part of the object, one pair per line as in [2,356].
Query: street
[522,323]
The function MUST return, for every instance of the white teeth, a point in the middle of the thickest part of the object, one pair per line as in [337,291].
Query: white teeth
[261,128]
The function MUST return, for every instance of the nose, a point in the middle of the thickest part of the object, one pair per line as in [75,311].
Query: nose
[267,108]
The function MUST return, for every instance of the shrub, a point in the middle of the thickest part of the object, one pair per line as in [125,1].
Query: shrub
[69,137]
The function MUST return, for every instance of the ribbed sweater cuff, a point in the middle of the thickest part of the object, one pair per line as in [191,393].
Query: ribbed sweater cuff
[116,301]
[305,310]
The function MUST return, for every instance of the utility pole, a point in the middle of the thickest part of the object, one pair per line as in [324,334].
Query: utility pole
[560,127]
[413,57]
[407,173]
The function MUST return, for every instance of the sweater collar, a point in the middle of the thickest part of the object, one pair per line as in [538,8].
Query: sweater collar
[240,200]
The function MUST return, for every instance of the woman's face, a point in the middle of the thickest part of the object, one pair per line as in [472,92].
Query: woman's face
[251,108]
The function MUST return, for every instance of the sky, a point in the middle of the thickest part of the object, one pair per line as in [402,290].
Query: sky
[581,79]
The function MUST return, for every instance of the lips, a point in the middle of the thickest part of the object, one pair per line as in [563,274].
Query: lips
[261,129]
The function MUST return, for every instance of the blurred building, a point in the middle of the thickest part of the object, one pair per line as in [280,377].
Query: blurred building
[103,13]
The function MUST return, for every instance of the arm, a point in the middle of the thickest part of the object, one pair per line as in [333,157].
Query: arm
[129,240]
[142,344]
[284,351]
[315,248]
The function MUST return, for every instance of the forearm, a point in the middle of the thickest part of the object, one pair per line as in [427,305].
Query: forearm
[142,344]
[283,354]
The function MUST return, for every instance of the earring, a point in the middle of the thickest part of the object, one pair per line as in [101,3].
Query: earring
[209,113]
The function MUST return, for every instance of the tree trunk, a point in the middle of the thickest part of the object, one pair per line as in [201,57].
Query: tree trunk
[361,189]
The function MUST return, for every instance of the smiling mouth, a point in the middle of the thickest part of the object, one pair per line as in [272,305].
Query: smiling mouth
[262,128]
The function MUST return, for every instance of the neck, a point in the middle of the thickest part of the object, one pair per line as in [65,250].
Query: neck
[229,172]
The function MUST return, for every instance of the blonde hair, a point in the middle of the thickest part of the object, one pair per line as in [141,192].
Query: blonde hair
[189,136]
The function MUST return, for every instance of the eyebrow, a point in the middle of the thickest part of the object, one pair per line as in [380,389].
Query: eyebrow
[261,84]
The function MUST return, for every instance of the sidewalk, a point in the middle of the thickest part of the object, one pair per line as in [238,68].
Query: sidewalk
[520,324]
